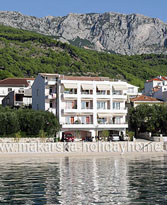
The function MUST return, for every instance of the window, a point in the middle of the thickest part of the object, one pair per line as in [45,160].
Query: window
[51,104]
[117,120]
[116,105]
[37,107]
[71,105]
[85,105]
[87,92]
[9,89]
[50,90]
[102,120]
[101,105]
[67,120]
[70,91]
[117,92]
[131,90]
[101,92]
[83,119]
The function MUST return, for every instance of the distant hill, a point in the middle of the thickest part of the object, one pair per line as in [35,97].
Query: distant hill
[24,53]
[112,32]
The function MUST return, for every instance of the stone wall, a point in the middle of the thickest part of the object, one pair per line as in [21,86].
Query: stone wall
[25,140]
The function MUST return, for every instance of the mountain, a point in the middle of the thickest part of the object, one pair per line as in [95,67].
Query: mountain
[111,32]
[25,54]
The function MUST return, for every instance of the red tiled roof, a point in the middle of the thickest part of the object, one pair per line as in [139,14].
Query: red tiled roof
[159,78]
[84,78]
[154,79]
[15,82]
[144,98]
[163,78]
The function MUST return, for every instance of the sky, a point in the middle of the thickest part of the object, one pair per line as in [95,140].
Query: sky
[41,8]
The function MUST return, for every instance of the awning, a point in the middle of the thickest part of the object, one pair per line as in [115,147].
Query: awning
[104,115]
[70,85]
[87,87]
[120,87]
[103,87]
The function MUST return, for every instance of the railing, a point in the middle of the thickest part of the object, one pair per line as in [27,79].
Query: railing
[111,123]
[86,108]
[79,123]
[121,108]
[86,93]
[101,93]
[114,93]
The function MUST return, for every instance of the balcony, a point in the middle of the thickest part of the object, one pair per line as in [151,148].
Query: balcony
[78,125]
[84,92]
[121,110]
[87,108]
[69,95]
[118,95]
[113,126]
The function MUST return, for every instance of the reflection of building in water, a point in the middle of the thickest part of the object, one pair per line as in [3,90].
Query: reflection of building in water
[93,180]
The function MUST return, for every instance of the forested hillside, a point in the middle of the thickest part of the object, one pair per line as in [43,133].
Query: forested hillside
[24,53]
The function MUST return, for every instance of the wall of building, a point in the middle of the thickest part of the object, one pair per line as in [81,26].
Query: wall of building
[148,87]
[8,100]
[38,93]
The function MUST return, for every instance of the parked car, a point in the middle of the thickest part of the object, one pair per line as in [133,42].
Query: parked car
[68,137]
[87,139]
[114,137]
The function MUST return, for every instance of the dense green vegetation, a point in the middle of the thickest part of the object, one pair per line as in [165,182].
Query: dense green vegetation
[24,53]
[27,123]
[146,118]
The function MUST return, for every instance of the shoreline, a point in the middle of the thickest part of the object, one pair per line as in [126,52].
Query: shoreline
[87,155]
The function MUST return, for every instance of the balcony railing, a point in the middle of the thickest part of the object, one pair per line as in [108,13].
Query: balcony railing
[79,123]
[86,93]
[87,108]
[111,123]
[101,93]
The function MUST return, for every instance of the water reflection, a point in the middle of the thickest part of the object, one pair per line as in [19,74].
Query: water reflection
[89,180]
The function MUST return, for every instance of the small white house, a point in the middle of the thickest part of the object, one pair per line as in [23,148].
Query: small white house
[16,85]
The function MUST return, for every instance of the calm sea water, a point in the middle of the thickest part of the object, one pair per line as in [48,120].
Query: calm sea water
[95,180]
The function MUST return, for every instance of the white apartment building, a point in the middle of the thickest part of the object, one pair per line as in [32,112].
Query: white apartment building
[85,106]
[16,85]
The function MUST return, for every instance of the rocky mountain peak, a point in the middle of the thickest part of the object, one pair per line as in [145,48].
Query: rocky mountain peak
[112,32]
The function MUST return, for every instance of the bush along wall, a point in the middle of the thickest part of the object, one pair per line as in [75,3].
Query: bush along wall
[27,122]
